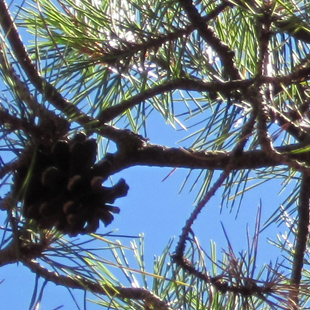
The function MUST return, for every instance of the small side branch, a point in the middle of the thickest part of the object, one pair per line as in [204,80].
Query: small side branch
[244,135]
[260,110]
[48,90]
[179,252]
[208,35]
[302,234]
[151,301]
[180,83]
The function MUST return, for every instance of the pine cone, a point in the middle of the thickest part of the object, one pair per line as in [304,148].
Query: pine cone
[62,187]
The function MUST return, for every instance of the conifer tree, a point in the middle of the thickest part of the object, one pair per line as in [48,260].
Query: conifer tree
[76,102]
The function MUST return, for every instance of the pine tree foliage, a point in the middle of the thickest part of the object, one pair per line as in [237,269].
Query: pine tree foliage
[233,73]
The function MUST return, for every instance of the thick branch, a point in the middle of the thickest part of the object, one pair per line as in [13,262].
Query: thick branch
[8,255]
[13,123]
[226,88]
[160,156]
[16,251]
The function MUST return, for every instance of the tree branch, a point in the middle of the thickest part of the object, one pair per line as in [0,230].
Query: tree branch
[12,254]
[48,90]
[18,250]
[161,156]
[302,234]
[260,110]
[13,123]
[181,83]
[150,300]
[208,35]
[8,255]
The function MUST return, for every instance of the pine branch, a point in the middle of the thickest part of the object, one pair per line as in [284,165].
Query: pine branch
[150,300]
[260,108]
[8,255]
[180,248]
[161,156]
[48,90]
[13,123]
[171,85]
[208,35]
[302,234]
[19,249]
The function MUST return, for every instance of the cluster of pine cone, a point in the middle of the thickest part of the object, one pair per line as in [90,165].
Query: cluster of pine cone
[61,187]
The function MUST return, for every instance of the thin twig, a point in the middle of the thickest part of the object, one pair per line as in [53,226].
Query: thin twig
[171,85]
[150,300]
[302,234]
[44,87]
[285,121]
[180,248]
[260,108]
[34,108]
[238,149]
[226,55]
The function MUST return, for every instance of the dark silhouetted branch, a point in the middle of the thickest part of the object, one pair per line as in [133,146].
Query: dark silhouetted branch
[48,90]
[302,234]
[150,300]
[226,55]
